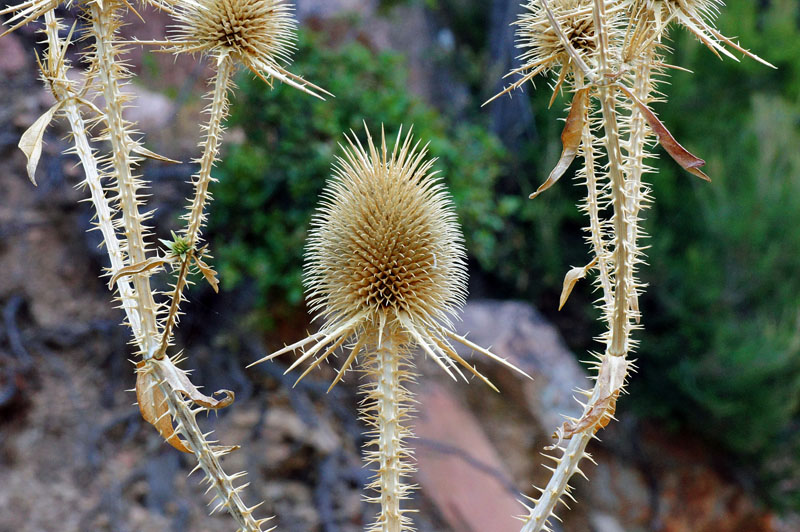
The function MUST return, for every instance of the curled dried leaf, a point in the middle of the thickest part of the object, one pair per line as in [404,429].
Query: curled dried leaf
[32,140]
[153,406]
[208,272]
[570,139]
[139,267]
[688,161]
[571,279]
[597,414]
[178,381]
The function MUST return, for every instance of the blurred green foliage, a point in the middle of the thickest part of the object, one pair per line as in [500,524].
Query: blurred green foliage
[721,346]
[720,352]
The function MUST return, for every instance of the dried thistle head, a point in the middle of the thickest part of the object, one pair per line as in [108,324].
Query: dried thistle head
[544,49]
[547,49]
[260,34]
[385,243]
[385,259]
[697,16]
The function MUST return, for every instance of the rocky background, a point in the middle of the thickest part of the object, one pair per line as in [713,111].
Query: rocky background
[76,456]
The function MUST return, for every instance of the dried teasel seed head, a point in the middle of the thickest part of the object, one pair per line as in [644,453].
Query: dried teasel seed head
[544,49]
[260,34]
[385,243]
[249,30]
[385,260]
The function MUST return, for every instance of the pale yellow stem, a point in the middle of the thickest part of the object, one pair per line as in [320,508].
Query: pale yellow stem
[102,28]
[389,397]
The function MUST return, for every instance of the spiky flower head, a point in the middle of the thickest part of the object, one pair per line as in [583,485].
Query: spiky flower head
[545,47]
[385,243]
[260,34]
[385,258]
[697,16]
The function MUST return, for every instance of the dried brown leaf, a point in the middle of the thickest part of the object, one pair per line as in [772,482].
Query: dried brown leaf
[610,381]
[570,139]
[153,406]
[32,140]
[571,279]
[177,379]
[139,267]
[144,152]
[208,272]
[688,161]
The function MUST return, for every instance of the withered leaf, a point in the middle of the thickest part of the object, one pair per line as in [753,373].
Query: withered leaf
[139,267]
[609,384]
[144,152]
[208,272]
[688,161]
[32,140]
[153,406]
[571,279]
[570,139]
[596,418]
[178,381]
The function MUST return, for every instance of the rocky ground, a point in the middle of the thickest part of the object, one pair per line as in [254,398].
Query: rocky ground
[76,456]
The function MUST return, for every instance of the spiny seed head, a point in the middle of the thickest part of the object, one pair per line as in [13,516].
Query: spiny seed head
[385,261]
[544,49]
[707,9]
[385,242]
[256,32]
[260,34]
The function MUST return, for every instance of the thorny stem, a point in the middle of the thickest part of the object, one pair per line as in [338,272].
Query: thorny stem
[217,111]
[92,179]
[103,28]
[389,415]
[174,304]
[618,342]
[636,164]
[138,300]
[227,495]
[196,215]
[613,369]
[384,410]
[593,206]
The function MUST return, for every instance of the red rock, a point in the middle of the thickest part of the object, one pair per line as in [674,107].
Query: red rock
[459,469]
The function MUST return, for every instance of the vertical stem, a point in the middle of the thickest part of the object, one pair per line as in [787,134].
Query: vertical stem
[618,341]
[103,28]
[384,411]
[92,175]
[390,448]
[217,111]
[596,232]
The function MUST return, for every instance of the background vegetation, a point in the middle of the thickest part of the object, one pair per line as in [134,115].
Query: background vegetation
[721,350]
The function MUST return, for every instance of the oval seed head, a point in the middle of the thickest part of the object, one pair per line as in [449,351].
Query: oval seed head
[385,260]
[544,49]
[261,34]
[385,244]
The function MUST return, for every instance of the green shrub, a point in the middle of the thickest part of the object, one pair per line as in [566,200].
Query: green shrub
[721,347]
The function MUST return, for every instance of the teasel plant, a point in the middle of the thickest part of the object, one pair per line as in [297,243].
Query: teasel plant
[167,399]
[258,35]
[385,272]
[610,56]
